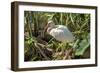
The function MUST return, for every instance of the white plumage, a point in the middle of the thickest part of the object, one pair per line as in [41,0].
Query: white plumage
[59,32]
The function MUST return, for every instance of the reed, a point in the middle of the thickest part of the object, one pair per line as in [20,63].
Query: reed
[40,46]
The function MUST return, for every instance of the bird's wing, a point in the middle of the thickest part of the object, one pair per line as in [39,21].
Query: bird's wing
[68,36]
[65,30]
[54,32]
[62,34]
[62,27]
[58,34]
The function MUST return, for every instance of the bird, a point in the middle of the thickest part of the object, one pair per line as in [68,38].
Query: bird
[59,32]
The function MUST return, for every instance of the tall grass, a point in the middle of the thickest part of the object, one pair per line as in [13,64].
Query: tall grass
[39,46]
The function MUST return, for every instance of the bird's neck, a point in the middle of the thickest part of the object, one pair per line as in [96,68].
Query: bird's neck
[49,29]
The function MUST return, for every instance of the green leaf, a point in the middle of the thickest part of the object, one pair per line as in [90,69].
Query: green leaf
[84,44]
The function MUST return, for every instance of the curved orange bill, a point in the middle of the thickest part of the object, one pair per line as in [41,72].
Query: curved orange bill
[45,28]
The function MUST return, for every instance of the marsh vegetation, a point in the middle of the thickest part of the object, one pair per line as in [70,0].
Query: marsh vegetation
[40,46]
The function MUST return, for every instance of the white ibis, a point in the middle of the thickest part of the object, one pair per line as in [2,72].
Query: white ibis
[59,32]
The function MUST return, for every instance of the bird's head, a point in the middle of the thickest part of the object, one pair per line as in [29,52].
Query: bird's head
[49,26]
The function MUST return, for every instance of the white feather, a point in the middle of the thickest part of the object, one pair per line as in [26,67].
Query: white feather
[61,33]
